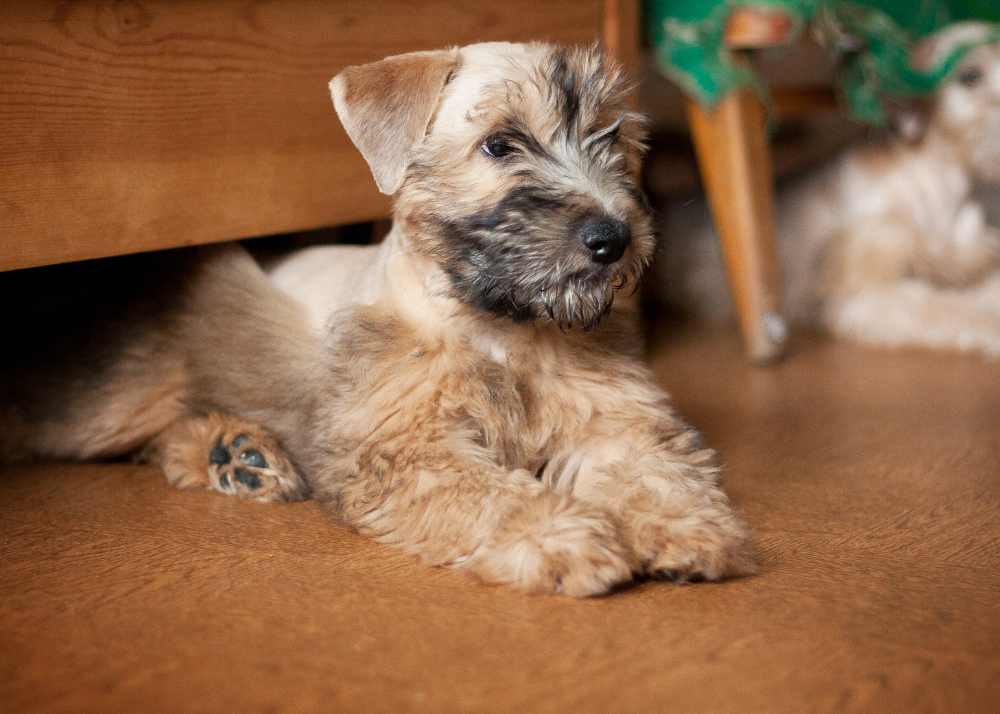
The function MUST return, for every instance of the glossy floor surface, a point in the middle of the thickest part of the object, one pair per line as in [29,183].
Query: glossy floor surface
[872,480]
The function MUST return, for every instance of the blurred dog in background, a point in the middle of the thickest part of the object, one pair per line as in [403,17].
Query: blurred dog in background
[889,245]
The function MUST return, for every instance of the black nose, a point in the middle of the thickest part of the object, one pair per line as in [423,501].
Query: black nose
[606,238]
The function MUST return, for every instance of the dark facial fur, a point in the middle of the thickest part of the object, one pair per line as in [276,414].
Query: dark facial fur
[521,259]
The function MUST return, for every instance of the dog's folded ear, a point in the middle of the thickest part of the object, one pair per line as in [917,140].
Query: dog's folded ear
[387,106]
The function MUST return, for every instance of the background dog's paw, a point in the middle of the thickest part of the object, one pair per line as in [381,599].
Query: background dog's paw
[251,465]
[555,545]
[707,543]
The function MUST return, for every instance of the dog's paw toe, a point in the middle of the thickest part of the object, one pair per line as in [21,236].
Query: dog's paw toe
[558,547]
[711,554]
[677,576]
[253,468]
[219,455]
[694,548]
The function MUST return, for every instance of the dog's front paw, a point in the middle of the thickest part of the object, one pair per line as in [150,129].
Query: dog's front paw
[708,542]
[555,545]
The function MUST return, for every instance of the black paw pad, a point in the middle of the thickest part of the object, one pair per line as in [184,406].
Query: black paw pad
[219,455]
[252,457]
[247,478]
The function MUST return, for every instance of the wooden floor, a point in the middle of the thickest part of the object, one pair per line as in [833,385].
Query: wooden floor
[872,480]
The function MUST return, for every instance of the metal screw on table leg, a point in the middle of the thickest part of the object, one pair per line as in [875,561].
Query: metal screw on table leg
[775,327]
[772,334]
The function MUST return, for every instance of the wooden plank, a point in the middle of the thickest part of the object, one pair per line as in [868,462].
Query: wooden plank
[621,33]
[130,126]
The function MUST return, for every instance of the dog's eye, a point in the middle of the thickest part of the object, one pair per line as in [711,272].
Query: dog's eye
[970,76]
[496,146]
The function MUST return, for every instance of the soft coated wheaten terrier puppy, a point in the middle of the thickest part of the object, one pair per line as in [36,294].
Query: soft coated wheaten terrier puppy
[469,390]
[889,245]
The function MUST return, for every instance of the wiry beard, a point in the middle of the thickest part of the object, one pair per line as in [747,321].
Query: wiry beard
[575,299]
[579,301]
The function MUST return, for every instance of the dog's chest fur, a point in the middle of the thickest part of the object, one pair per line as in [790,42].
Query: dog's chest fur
[517,394]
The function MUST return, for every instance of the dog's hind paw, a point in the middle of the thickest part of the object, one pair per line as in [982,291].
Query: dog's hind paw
[228,455]
[252,466]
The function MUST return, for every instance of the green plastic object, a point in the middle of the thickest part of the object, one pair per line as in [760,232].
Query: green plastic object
[688,39]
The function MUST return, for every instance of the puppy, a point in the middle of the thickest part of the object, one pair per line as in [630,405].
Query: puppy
[889,245]
[470,390]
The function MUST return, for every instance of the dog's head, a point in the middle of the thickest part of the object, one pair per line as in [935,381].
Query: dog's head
[514,169]
[966,108]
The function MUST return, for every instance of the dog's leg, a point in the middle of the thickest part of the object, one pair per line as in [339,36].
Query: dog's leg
[502,526]
[647,467]
[915,313]
[228,455]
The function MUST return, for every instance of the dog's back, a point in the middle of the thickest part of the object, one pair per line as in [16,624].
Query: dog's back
[330,277]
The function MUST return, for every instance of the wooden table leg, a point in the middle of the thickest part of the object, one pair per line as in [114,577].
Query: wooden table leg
[620,33]
[735,164]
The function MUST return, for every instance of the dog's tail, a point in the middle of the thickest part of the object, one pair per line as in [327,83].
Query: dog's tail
[83,362]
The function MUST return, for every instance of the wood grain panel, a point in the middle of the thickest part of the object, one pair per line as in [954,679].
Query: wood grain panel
[135,125]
